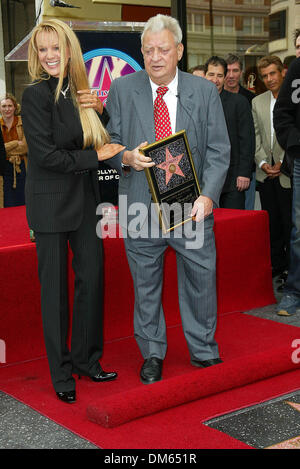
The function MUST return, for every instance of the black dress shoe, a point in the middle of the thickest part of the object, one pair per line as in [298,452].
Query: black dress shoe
[67,396]
[102,376]
[277,272]
[283,277]
[206,363]
[151,370]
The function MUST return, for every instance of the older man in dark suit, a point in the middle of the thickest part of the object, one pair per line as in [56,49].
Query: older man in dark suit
[193,104]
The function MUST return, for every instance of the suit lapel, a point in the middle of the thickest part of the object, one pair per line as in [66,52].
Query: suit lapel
[143,102]
[267,117]
[185,104]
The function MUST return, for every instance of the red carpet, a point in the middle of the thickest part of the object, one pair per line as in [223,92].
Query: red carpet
[257,366]
[116,410]
[243,279]
[256,353]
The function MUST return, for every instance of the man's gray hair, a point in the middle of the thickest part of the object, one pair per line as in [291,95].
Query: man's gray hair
[160,22]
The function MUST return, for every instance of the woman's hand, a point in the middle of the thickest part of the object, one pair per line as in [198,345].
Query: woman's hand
[109,150]
[89,99]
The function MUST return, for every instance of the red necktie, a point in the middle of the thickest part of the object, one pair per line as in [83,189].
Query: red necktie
[161,115]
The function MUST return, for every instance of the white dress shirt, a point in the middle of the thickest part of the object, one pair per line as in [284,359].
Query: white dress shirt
[272,104]
[170,98]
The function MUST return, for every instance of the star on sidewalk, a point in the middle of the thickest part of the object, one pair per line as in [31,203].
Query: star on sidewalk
[295,405]
[171,165]
[291,443]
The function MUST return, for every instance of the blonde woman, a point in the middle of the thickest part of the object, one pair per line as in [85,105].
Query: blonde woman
[66,139]
[13,181]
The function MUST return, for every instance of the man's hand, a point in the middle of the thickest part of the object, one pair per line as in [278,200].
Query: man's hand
[89,99]
[277,166]
[136,159]
[242,183]
[271,171]
[202,207]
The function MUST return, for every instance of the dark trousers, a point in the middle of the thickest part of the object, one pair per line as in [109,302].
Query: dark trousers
[14,197]
[277,201]
[233,199]
[87,330]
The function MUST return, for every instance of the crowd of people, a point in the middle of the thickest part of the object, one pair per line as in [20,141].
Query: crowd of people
[237,148]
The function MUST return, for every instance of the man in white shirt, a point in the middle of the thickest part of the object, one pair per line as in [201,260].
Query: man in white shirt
[193,104]
[273,186]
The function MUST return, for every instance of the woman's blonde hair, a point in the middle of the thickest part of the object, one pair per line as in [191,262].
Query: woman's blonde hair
[94,134]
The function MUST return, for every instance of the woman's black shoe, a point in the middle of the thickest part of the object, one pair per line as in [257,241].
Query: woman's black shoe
[103,376]
[67,396]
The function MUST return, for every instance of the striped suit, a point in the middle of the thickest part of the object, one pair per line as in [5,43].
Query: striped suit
[61,198]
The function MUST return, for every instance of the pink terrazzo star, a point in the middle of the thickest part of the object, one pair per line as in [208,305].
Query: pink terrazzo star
[171,165]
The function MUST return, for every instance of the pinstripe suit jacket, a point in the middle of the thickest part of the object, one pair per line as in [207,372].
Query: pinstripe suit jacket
[57,163]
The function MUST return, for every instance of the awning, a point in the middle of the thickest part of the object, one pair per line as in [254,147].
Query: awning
[19,53]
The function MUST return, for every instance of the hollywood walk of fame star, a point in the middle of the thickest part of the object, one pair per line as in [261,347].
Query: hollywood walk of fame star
[171,165]
[295,405]
[291,443]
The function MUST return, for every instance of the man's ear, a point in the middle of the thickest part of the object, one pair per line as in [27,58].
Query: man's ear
[180,49]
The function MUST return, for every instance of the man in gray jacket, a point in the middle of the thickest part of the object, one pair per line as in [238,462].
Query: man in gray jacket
[273,186]
[192,104]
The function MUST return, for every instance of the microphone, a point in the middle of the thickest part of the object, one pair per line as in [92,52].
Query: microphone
[191,117]
[60,3]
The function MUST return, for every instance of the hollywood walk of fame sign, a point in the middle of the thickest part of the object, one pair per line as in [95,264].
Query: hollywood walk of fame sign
[103,66]
[173,180]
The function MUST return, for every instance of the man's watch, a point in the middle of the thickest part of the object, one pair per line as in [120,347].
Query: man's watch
[125,167]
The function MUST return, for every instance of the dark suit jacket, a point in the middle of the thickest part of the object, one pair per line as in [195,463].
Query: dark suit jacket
[247,93]
[241,133]
[2,154]
[286,114]
[57,164]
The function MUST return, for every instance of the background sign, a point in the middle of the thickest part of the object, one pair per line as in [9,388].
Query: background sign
[109,55]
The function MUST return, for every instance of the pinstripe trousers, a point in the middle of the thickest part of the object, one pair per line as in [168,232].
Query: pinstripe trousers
[196,271]
[87,331]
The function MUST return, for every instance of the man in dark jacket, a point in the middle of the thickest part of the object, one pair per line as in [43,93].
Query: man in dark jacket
[233,85]
[286,120]
[241,135]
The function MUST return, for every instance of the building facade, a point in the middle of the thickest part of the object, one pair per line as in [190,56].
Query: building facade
[248,28]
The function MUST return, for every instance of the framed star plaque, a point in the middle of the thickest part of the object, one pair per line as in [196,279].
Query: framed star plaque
[173,180]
